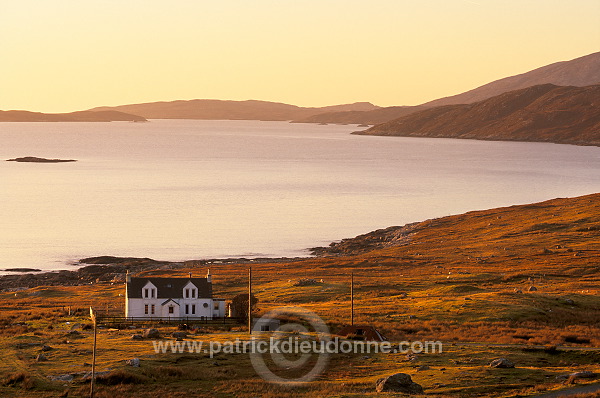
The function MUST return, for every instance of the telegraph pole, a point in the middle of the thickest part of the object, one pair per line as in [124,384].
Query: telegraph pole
[93,317]
[352,298]
[250,300]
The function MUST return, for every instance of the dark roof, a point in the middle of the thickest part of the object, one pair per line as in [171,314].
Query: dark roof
[166,301]
[169,287]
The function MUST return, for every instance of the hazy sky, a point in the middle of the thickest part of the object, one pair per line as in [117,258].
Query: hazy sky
[65,55]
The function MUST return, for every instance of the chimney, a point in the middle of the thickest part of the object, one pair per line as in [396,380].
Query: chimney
[208,276]
[127,277]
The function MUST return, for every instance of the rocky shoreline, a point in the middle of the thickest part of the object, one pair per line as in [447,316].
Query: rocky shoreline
[107,269]
[111,269]
[379,239]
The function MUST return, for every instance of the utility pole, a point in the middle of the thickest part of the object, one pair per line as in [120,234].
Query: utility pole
[93,317]
[250,300]
[352,298]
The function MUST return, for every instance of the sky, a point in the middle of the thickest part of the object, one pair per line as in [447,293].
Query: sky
[67,55]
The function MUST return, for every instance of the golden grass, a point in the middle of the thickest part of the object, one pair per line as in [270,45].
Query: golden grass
[454,281]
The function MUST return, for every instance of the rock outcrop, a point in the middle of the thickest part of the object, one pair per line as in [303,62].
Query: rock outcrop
[399,382]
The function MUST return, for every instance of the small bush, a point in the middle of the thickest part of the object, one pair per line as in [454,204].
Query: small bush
[576,340]
[121,377]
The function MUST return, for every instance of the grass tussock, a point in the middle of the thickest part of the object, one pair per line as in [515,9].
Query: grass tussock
[19,379]
[121,377]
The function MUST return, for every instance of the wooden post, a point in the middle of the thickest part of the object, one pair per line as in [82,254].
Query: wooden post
[352,298]
[93,379]
[250,300]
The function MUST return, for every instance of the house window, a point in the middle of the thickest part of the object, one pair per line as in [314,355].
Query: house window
[171,309]
[152,309]
[152,292]
[205,305]
[193,309]
[193,293]
[187,293]
[187,309]
[146,293]
[216,306]
[146,309]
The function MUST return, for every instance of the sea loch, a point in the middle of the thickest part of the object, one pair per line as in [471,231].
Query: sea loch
[191,189]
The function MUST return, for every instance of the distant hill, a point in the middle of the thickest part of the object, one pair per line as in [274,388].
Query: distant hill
[582,71]
[230,110]
[81,116]
[547,113]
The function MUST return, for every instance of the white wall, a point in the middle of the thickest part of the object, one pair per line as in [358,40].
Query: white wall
[134,307]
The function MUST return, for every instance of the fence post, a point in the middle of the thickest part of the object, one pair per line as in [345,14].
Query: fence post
[93,317]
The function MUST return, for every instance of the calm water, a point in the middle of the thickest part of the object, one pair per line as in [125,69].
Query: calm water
[183,189]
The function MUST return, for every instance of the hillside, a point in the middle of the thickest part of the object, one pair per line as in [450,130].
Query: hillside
[81,116]
[582,71]
[230,110]
[518,282]
[578,72]
[544,113]
[375,116]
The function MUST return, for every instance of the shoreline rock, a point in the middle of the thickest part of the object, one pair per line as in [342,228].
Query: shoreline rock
[109,269]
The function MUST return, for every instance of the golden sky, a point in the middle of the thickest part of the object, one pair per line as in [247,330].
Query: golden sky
[66,55]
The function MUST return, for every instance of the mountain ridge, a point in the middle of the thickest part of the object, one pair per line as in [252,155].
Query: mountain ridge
[542,113]
[580,72]
[79,116]
[211,109]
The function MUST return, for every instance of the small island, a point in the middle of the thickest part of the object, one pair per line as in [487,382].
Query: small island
[22,270]
[32,159]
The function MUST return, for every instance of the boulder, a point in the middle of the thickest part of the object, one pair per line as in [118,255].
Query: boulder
[65,377]
[135,362]
[46,348]
[41,358]
[411,356]
[502,363]
[151,334]
[532,289]
[74,334]
[87,376]
[586,374]
[399,382]
[179,335]
[136,337]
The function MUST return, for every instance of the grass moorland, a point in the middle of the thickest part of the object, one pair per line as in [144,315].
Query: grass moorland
[463,280]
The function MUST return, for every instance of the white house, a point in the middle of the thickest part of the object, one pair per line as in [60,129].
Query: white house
[172,298]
